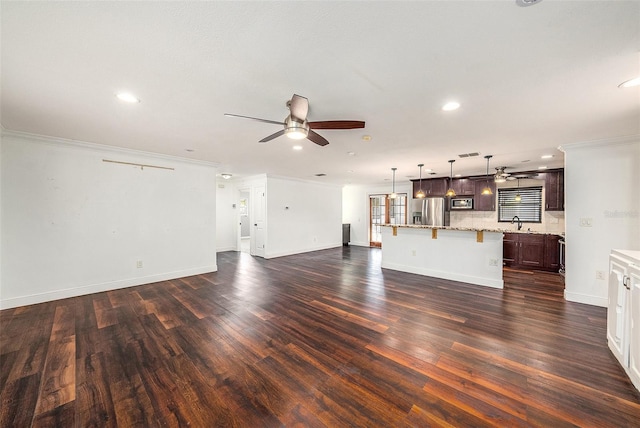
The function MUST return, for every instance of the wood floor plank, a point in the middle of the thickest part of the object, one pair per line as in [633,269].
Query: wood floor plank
[59,375]
[320,339]
[18,401]
[94,404]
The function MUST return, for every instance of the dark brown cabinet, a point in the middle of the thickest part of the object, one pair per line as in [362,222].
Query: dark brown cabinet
[484,202]
[554,190]
[552,252]
[463,186]
[431,187]
[531,251]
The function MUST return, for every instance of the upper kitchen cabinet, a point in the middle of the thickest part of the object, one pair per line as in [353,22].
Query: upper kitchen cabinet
[463,186]
[431,187]
[484,202]
[554,190]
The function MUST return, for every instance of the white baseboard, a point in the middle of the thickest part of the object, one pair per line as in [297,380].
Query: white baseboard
[586,299]
[32,299]
[453,276]
[307,250]
[360,244]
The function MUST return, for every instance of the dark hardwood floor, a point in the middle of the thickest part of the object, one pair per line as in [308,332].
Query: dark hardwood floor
[319,339]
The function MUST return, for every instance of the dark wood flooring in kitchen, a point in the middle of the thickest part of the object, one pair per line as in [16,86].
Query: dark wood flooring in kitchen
[319,339]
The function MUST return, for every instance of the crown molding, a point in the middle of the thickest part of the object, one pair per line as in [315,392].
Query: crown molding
[57,141]
[626,139]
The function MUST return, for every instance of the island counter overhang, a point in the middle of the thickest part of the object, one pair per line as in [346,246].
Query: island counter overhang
[467,255]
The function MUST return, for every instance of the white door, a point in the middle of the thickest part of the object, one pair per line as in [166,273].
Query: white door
[258,203]
[633,282]
[618,311]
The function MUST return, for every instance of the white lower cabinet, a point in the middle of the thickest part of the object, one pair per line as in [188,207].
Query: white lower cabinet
[623,312]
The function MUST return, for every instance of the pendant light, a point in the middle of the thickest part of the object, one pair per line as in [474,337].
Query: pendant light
[393,194]
[518,197]
[487,189]
[420,194]
[451,193]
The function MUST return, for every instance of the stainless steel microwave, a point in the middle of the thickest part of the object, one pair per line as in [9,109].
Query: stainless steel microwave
[461,203]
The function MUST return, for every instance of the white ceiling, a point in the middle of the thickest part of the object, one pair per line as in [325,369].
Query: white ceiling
[529,80]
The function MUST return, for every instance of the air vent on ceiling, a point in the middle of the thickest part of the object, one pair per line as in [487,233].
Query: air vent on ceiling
[468,155]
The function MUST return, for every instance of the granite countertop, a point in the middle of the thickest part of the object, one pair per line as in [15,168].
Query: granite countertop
[469,229]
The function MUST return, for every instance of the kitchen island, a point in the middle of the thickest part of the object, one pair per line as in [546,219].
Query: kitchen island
[456,253]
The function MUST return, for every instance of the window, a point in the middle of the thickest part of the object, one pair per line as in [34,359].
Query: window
[528,209]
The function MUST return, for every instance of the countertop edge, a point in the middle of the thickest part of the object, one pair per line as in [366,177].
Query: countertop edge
[468,229]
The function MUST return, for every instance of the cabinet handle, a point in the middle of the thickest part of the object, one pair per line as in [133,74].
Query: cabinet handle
[625,282]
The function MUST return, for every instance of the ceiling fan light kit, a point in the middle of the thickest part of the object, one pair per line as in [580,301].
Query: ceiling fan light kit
[296,130]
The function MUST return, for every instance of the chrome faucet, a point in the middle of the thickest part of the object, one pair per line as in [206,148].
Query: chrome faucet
[519,222]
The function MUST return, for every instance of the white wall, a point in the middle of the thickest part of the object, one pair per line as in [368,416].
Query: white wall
[355,207]
[226,215]
[602,183]
[73,224]
[302,216]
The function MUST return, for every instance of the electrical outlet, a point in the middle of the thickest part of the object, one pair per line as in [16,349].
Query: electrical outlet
[586,222]
[139,264]
[493,262]
[600,275]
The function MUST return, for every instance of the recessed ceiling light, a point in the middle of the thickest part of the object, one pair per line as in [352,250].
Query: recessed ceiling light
[226,176]
[297,147]
[450,106]
[546,156]
[542,167]
[630,83]
[128,97]
[351,153]
[366,138]
[428,170]
[458,175]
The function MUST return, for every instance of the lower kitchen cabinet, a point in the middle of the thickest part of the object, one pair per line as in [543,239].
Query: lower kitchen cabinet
[623,311]
[531,251]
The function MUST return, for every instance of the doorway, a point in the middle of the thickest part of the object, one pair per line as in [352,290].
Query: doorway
[245,221]
[385,210]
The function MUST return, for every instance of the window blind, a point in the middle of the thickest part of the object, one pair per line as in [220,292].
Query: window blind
[528,209]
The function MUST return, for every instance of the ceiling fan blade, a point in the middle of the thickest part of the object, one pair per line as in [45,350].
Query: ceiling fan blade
[299,107]
[336,124]
[255,118]
[272,136]
[317,138]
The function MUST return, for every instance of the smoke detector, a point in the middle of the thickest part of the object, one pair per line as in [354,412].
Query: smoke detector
[525,3]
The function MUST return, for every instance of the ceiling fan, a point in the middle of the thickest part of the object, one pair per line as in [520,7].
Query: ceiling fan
[297,127]
[501,176]
[523,176]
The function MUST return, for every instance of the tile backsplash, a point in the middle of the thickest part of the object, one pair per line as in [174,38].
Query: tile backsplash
[552,221]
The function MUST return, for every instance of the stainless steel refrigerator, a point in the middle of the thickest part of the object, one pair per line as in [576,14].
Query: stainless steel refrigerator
[430,211]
